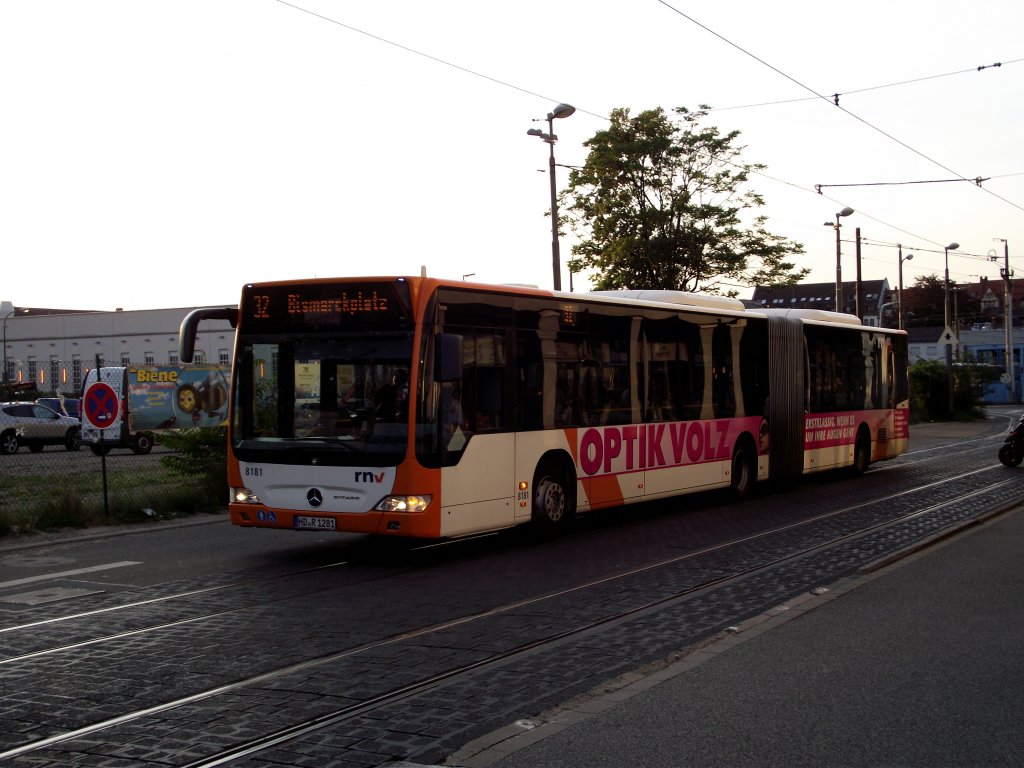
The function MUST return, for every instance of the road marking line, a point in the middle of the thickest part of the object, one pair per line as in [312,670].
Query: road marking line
[63,574]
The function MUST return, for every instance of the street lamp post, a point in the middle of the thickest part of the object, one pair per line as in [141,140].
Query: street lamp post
[839,258]
[903,258]
[562,110]
[1007,276]
[946,330]
[945,292]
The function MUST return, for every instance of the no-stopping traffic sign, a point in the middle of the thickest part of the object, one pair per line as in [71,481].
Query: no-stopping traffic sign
[100,405]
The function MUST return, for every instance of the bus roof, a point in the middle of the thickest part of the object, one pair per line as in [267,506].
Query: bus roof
[650,297]
[705,301]
[815,315]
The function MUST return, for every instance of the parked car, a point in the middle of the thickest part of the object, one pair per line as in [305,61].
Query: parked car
[36,426]
[69,406]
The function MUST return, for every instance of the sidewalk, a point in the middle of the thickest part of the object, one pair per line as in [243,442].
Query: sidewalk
[918,664]
[999,420]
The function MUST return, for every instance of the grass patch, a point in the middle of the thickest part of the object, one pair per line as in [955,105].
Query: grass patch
[137,494]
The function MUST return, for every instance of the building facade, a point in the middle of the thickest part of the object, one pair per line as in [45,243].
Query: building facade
[54,348]
[874,298]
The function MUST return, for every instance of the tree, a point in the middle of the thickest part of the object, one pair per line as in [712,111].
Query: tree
[924,304]
[658,206]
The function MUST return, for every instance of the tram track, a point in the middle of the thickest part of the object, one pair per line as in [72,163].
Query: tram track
[248,583]
[300,729]
[476,666]
[910,459]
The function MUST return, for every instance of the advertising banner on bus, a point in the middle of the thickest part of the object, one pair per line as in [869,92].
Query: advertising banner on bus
[618,450]
[177,396]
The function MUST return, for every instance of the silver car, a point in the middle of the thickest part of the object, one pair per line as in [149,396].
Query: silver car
[36,426]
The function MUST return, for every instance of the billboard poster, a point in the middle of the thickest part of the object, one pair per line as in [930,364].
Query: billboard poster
[177,396]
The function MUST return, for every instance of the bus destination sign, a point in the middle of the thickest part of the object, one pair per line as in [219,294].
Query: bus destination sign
[344,304]
[324,304]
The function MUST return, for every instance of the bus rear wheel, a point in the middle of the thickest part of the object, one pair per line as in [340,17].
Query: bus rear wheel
[744,470]
[551,510]
[862,452]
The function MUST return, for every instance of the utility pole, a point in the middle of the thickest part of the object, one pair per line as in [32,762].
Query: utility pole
[1007,276]
[859,298]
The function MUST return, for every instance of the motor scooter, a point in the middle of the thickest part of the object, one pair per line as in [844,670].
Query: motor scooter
[1012,451]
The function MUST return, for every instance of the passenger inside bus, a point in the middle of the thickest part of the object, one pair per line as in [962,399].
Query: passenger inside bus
[452,420]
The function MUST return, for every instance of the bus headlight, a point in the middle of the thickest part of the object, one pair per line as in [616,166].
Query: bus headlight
[244,496]
[403,504]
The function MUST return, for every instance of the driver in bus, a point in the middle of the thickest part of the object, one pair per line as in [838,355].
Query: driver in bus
[391,398]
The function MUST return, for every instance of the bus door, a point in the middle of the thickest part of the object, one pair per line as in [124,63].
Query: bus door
[478,481]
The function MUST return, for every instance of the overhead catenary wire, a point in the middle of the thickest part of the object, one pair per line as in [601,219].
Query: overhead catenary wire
[832,100]
[873,87]
[435,59]
[816,95]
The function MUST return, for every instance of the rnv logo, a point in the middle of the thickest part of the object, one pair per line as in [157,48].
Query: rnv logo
[369,477]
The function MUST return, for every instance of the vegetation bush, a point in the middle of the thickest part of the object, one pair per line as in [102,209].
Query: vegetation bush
[201,455]
[929,391]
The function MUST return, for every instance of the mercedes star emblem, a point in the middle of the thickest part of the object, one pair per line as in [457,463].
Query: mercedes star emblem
[314,497]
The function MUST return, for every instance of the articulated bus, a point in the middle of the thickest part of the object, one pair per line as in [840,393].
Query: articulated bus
[418,407]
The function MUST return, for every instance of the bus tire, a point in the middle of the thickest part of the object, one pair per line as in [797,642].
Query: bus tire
[744,470]
[862,452]
[99,450]
[551,510]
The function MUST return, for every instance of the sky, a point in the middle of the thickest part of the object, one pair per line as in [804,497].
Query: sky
[163,154]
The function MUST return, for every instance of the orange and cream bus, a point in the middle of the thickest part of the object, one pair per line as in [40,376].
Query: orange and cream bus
[412,406]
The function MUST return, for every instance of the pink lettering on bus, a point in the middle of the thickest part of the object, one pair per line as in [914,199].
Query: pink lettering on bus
[590,452]
[655,452]
[694,443]
[678,433]
[612,447]
[615,450]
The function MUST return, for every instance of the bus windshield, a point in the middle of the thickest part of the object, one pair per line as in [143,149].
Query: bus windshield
[339,399]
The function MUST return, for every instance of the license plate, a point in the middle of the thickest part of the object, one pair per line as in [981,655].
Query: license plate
[309,523]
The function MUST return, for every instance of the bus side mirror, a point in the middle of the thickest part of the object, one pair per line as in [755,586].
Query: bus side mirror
[189,326]
[448,357]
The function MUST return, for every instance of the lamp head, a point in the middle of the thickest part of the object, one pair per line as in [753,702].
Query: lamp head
[952,246]
[562,110]
[535,132]
[908,257]
[845,212]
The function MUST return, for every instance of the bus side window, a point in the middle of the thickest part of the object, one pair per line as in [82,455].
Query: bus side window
[489,399]
[530,381]
[724,401]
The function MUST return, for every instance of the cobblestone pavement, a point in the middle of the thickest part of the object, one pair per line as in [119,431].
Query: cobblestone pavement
[328,641]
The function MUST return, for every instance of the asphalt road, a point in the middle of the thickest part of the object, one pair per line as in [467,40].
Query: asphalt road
[375,617]
[122,557]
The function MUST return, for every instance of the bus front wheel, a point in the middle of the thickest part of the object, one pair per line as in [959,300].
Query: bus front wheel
[550,501]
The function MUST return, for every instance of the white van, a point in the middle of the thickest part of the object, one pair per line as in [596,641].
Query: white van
[119,435]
